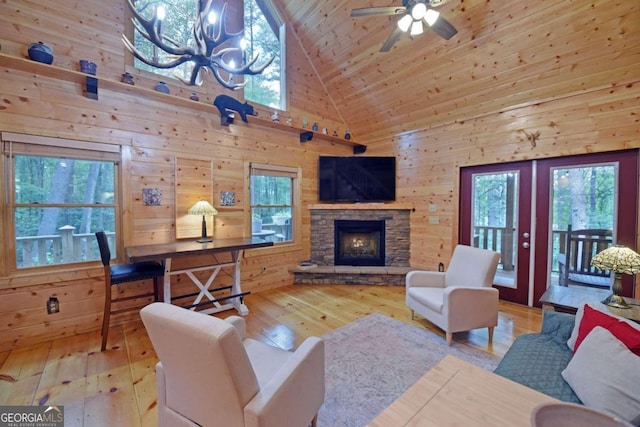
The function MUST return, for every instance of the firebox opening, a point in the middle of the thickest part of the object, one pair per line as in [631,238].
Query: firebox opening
[359,243]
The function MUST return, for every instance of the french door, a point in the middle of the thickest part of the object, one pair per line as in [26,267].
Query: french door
[523,210]
[495,213]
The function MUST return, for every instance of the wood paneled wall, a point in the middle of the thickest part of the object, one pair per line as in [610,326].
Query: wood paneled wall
[429,160]
[152,133]
[361,89]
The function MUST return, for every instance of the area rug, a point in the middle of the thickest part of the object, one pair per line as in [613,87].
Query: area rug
[372,361]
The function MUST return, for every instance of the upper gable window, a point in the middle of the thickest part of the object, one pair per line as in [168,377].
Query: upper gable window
[263,35]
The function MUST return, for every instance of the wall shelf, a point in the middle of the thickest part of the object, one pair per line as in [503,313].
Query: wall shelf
[88,82]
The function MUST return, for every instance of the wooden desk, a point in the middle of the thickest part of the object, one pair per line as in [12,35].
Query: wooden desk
[167,251]
[457,393]
[568,299]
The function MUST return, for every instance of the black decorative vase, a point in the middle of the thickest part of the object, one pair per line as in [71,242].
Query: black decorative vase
[162,87]
[40,52]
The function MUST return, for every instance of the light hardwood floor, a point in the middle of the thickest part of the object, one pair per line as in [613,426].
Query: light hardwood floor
[117,387]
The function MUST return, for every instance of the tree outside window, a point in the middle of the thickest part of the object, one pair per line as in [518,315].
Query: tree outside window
[263,33]
[59,202]
[272,202]
[263,36]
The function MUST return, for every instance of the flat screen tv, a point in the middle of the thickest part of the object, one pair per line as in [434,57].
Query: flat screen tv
[355,179]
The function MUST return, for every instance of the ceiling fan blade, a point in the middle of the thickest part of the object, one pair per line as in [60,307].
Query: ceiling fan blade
[377,11]
[393,38]
[443,28]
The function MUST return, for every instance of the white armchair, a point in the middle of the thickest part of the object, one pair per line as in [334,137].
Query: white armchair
[460,299]
[209,374]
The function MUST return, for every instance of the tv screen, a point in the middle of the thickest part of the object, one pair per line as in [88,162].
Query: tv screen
[356,179]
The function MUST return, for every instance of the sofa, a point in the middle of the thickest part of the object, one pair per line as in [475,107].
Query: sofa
[537,360]
[590,358]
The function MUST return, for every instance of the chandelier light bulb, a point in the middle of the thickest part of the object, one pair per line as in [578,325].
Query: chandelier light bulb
[416,28]
[160,12]
[212,17]
[405,22]
[431,16]
[418,11]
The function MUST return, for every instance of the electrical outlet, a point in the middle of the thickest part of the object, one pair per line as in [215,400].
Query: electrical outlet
[434,220]
[53,305]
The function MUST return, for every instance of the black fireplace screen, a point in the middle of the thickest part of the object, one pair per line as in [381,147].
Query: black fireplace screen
[359,243]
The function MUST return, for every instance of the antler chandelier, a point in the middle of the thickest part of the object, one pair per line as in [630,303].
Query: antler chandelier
[206,51]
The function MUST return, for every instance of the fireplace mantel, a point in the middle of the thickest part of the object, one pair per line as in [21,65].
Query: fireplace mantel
[362,206]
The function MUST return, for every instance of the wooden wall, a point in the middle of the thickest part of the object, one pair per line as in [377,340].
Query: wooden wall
[429,160]
[153,131]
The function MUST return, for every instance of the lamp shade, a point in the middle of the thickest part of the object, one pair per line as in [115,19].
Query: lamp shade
[202,208]
[619,259]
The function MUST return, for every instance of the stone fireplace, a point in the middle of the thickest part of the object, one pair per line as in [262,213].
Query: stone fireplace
[394,239]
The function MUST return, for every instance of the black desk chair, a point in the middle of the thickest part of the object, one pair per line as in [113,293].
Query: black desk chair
[123,273]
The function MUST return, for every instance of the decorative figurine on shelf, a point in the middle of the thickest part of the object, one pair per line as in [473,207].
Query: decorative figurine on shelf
[335,133]
[347,135]
[315,127]
[88,67]
[305,122]
[289,121]
[162,87]
[226,104]
[325,131]
[127,78]
[40,52]
[194,96]
[274,117]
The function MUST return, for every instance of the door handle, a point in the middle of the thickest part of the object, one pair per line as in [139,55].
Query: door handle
[525,235]
[525,245]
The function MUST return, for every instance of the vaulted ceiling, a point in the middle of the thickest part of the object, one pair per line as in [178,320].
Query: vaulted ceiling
[507,53]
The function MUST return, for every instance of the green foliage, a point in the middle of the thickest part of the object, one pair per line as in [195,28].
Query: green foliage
[584,197]
[270,195]
[51,193]
[261,38]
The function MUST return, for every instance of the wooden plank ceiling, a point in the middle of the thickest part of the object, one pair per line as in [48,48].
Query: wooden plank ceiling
[506,53]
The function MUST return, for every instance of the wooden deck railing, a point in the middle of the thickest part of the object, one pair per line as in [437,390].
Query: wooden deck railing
[501,240]
[63,248]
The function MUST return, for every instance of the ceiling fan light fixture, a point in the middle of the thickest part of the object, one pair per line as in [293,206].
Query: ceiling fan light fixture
[418,10]
[405,22]
[416,28]
[431,16]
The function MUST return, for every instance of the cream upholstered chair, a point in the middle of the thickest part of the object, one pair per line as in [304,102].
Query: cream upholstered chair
[460,299]
[209,374]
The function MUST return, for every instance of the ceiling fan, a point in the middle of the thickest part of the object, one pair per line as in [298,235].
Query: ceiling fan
[416,13]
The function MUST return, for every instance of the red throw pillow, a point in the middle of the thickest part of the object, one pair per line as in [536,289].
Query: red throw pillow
[629,336]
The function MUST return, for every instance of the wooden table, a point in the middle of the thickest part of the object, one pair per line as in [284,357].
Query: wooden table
[568,299]
[165,252]
[457,393]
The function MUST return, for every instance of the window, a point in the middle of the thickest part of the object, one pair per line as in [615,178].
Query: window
[58,198]
[263,35]
[273,211]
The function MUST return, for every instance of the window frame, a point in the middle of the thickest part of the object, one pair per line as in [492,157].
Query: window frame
[296,190]
[22,144]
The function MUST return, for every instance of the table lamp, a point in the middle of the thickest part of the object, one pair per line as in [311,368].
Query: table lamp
[203,208]
[620,260]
